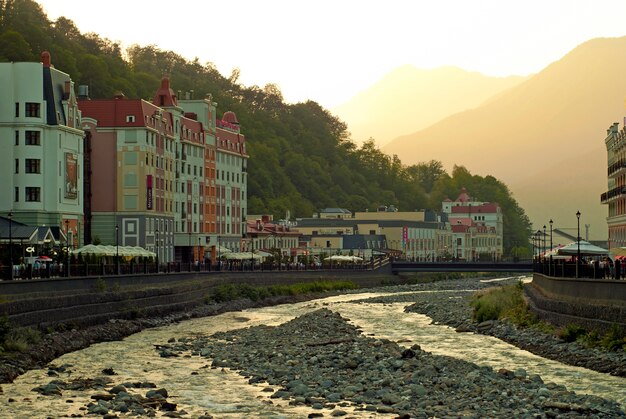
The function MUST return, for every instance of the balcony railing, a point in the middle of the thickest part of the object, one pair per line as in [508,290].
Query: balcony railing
[617,166]
[613,193]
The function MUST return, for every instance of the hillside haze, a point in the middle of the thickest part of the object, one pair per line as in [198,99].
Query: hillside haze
[409,99]
[544,137]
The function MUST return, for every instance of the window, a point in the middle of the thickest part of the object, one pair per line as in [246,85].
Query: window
[33,194]
[17,194]
[33,138]
[17,138]
[33,166]
[32,110]
[17,165]
[17,109]
[130,118]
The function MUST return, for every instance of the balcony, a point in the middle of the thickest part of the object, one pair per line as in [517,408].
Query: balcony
[612,194]
[616,167]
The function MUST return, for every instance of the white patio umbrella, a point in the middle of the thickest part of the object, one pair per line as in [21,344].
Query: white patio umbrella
[586,249]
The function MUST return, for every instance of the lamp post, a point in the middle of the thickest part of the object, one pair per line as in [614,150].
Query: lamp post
[67,245]
[551,233]
[157,250]
[117,250]
[551,247]
[190,250]
[578,240]
[199,259]
[10,215]
[532,241]
[252,254]
[219,252]
[544,241]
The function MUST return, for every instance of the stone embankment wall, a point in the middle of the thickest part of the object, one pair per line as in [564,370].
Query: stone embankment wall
[590,303]
[79,302]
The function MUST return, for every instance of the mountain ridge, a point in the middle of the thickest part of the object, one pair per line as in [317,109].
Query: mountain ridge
[435,92]
[553,123]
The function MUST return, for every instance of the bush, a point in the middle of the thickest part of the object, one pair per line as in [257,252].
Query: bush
[571,332]
[230,292]
[614,340]
[18,340]
[496,303]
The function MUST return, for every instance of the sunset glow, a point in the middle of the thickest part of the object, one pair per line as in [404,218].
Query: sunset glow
[328,51]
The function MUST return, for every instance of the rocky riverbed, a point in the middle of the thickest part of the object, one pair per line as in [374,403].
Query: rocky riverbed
[58,343]
[321,360]
[450,306]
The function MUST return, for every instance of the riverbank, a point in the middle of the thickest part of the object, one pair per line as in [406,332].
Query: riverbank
[58,343]
[449,306]
[323,362]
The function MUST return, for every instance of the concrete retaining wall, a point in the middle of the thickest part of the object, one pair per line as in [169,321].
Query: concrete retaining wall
[590,303]
[89,301]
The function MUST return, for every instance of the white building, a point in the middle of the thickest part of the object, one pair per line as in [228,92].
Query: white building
[477,227]
[41,152]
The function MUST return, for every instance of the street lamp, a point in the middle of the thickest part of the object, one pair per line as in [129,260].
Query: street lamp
[544,241]
[157,249]
[252,253]
[200,260]
[578,240]
[550,269]
[117,250]
[11,242]
[532,241]
[551,233]
[67,245]
[219,253]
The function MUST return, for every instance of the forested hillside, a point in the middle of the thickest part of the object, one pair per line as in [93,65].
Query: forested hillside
[301,159]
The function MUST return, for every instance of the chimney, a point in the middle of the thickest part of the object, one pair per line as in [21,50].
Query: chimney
[83,91]
[45,59]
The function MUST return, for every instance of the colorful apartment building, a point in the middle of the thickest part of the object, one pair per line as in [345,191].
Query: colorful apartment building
[41,152]
[169,175]
[615,197]
[204,111]
[131,153]
[231,181]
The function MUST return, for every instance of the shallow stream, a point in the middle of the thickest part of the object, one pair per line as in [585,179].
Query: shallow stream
[225,394]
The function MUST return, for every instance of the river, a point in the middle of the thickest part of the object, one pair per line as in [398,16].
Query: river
[225,394]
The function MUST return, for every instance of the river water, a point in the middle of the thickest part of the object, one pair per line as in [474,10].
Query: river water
[225,394]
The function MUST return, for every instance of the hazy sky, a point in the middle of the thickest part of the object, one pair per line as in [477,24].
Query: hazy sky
[329,50]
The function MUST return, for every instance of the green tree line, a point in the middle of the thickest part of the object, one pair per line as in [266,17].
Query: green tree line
[302,158]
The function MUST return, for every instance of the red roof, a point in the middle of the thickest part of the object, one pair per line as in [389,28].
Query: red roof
[114,112]
[459,228]
[463,197]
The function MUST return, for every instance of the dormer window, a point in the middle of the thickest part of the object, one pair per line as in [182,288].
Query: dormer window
[130,118]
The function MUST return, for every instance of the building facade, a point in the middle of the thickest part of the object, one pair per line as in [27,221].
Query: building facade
[477,228]
[41,151]
[231,181]
[169,176]
[415,235]
[615,196]
[132,147]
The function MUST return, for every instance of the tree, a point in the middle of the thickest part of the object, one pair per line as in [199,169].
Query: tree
[13,47]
